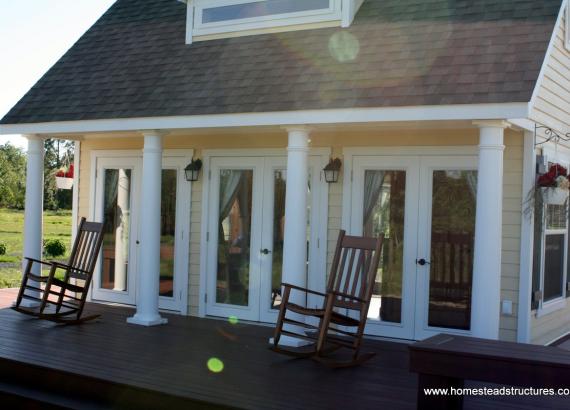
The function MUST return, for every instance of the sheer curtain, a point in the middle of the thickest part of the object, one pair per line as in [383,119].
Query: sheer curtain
[373,181]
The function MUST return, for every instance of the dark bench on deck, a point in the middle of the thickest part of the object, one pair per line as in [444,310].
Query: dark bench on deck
[445,361]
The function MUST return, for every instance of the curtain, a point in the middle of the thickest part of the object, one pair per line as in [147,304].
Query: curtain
[471,177]
[373,181]
[110,218]
[229,188]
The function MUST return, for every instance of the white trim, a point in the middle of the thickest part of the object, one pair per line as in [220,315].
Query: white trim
[526,242]
[332,116]
[331,13]
[546,61]
[75,199]
[551,306]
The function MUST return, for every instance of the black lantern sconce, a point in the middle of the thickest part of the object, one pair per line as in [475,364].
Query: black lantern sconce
[332,170]
[192,171]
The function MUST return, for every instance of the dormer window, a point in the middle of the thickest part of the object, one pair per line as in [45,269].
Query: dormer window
[208,19]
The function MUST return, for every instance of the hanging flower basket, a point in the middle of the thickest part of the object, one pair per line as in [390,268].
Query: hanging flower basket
[554,196]
[64,178]
[64,183]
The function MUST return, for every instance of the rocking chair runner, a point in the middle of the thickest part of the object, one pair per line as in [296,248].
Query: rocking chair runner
[349,289]
[59,300]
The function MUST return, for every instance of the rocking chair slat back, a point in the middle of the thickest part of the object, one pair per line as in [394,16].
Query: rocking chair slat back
[352,273]
[86,249]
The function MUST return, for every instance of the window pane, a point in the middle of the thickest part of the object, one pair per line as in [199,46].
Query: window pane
[556,217]
[234,237]
[452,240]
[260,9]
[167,231]
[384,203]
[116,216]
[553,266]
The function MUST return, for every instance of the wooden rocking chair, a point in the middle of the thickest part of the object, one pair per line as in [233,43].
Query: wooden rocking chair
[345,304]
[61,301]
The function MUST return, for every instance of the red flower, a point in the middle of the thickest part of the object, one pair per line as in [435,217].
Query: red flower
[69,173]
[558,170]
[60,173]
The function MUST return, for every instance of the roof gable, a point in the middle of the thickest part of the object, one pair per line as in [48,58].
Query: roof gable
[134,62]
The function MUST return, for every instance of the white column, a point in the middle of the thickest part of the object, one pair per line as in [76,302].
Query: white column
[33,214]
[488,232]
[295,240]
[149,236]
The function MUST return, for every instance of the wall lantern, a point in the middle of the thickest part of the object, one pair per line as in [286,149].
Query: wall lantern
[332,170]
[192,171]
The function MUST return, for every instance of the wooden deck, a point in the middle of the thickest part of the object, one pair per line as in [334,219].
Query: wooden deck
[110,364]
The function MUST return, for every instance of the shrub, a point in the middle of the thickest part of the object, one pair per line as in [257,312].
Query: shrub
[54,248]
[2,248]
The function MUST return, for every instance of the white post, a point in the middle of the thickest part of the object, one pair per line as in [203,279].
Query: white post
[295,239]
[75,200]
[149,249]
[527,241]
[34,206]
[488,232]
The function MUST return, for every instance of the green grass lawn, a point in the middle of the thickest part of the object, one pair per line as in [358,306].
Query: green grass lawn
[57,225]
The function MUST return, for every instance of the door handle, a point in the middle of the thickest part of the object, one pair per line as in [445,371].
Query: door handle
[265,251]
[422,262]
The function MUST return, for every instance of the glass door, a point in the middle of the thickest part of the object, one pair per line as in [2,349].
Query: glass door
[446,236]
[246,233]
[384,201]
[174,237]
[116,188]
[234,237]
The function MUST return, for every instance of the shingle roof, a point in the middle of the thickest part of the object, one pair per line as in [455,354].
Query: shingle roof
[134,62]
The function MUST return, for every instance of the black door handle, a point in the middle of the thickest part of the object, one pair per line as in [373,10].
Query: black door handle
[422,262]
[265,251]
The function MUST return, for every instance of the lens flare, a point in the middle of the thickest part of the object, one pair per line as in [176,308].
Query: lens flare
[215,365]
[344,46]
[233,320]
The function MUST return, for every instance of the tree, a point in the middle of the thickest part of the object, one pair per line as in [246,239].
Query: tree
[12,176]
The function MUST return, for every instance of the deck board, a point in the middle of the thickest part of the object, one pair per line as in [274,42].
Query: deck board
[170,362]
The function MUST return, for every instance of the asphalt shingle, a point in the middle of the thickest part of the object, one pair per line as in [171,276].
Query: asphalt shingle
[134,62]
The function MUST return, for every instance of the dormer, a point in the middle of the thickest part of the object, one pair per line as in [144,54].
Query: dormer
[213,19]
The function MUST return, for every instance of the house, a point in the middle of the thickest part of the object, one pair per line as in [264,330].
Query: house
[439,113]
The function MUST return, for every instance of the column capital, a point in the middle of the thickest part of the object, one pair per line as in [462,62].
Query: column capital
[492,124]
[33,137]
[154,133]
[304,129]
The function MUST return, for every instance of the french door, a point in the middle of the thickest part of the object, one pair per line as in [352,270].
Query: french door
[245,235]
[425,207]
[117,193]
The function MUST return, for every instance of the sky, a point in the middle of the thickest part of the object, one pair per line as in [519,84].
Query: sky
[34,34]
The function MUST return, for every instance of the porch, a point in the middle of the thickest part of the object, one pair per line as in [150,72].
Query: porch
[111,364]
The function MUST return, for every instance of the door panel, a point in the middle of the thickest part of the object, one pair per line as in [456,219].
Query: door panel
[383,203]
[175,238]
[446,234]
[234,237]
[116,189]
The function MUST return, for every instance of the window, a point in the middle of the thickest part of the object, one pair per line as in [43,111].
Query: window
[224,18]
[551,250]
[555,252]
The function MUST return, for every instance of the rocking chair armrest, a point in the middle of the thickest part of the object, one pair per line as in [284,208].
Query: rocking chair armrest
[346,296]
[69,267]
[48,263]
[314,292]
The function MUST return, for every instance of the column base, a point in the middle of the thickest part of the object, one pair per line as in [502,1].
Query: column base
[147,320]
[290,341]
